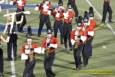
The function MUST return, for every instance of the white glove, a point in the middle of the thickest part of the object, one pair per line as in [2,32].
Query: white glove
[53,45]
[27,51]
[24,56]
[72,42]
[91,33]
[49,12]
[83,38]
[39,50]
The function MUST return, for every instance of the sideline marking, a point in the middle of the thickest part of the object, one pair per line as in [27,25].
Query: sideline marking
[108,25]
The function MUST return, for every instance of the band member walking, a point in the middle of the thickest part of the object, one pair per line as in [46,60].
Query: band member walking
[49,44]
[107,9]
[45,9]
[27,52]
[67,26]
[58,24]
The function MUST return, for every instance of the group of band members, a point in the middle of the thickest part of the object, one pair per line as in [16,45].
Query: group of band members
[79,39]
[29,49]
[82,37]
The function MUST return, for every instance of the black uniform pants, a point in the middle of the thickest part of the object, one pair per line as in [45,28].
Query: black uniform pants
[44,20]
[86,53]
[48,63]
[105,11]
[29,68]
[11,47]
[90,46]
[77,57]
[58,25]
[1,61]
[18,18]
[67,28]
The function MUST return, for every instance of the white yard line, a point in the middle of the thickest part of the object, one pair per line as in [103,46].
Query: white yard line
[13,65]
[100,16]
[13,68]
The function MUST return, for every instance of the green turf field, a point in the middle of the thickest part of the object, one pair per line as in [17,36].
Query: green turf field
[103,59]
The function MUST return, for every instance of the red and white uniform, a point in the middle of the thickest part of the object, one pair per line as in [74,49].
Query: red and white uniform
[44,8]
[74,36]
[83,34]
[24,51]
[90,31]
[92,23]
[68,16]
[90,28]
[58,13]
[53,43]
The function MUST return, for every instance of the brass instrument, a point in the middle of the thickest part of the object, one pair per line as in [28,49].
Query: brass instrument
[48,51]
[31,54]
[76,43]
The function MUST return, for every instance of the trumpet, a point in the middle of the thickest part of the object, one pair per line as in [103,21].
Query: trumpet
[76,44]
[48,51]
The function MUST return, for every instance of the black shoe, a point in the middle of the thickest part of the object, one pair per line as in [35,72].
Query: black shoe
[103,22]
[1,74]
[10,59]
[61,42]
[110,21]
[85,65]
[53,74]
[79,68]
[38,35]
[70,49]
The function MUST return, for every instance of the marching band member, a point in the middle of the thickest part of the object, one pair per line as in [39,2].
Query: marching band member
[77,43]
[58,24]
[45,12]
[88,31]
[67,26]
[49,44]
[27,53]
[12,43]
[91,31]
[20,4]
[107,9]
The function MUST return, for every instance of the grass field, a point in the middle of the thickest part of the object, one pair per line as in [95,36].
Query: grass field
[102,59]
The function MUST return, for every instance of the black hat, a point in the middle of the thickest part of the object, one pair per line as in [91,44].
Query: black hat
[91,12]
[79,21]
[91,9]
[69,6]
[86,17]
